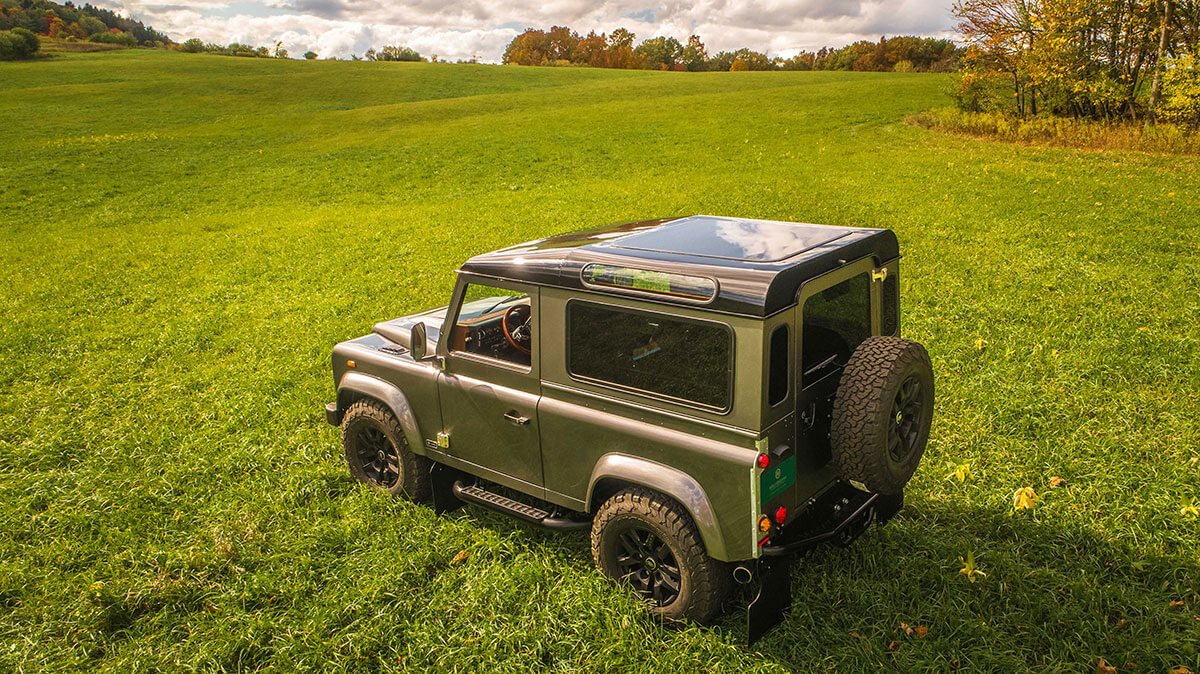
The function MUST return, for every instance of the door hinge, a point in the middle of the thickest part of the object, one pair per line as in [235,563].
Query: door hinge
[443,440]
[879,274]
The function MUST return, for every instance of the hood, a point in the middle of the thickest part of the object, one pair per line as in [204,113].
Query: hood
[397,330]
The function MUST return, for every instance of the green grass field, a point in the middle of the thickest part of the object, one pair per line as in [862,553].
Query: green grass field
[185,237]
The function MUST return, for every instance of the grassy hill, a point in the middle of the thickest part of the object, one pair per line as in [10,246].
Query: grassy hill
[185,237]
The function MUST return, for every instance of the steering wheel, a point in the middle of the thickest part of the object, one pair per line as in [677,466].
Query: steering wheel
[516,326]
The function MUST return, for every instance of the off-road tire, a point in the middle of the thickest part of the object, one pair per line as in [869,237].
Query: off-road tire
[704,581]
[865,411]
[413,479]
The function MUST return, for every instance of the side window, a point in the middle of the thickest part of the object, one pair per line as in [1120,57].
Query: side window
[836,321]
[495,323]
[777,378]
[648,352]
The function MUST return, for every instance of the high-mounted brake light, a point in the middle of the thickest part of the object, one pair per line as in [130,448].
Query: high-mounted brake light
[763,460]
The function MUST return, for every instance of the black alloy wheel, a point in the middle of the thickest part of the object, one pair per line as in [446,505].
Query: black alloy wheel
[377,456]
[648,566]
[907,409]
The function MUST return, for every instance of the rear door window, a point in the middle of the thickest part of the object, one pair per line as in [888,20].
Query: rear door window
[836,321]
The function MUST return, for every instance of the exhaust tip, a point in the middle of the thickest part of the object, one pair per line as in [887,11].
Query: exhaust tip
[742,574]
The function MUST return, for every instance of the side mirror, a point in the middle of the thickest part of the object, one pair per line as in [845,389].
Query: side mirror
[416,341]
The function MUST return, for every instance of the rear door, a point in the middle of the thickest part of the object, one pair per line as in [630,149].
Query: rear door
[836,312]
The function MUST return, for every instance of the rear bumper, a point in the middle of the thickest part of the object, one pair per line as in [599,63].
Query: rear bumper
[838,516]
[332,415]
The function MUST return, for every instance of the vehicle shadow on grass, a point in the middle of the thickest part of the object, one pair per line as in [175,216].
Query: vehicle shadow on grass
[1045,596]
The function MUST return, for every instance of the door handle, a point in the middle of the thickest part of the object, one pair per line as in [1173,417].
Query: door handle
[516,418]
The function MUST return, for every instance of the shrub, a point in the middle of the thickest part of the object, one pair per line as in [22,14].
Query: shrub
[193,46]
[739,66]
[310,55]
[1061,131]
[905,67]
[1181,92]
[979,92]
[18,43]
[123,38]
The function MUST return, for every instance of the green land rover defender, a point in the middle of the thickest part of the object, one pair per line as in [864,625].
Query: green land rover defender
[708,395]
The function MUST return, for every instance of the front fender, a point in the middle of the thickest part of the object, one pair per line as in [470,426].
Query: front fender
[355,385]
[670,481]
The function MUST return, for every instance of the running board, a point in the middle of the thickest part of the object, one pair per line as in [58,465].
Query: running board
[521,511]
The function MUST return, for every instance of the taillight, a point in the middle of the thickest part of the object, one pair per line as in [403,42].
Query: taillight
[764,524]
[780,515]
[763,460]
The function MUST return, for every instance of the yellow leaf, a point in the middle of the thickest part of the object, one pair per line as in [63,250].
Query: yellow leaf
[1057,481]
[921,631]
[969,569]
[1104,668]
[980,343]
[1190,511]
[1024,498]
[1180,670]
[460,557]
[961,472]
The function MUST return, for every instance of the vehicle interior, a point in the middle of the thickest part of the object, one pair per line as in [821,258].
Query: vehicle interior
[495,323]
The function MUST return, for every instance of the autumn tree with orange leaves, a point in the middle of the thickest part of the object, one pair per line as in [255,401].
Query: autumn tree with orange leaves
[1096,59]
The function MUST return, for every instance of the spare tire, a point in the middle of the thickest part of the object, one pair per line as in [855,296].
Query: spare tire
[882,413]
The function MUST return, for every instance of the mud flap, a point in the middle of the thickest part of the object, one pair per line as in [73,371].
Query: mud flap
[774,598]
[442,480]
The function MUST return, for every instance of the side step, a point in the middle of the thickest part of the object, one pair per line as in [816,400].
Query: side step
[521,511]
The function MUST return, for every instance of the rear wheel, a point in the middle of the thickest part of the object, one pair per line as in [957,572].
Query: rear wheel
[648,542]
[378,454]
[882,413]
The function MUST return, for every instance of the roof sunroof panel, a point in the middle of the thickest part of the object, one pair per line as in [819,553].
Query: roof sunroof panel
[733,238]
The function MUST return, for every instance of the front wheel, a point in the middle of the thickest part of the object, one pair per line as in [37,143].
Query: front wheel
[378,455]
[649,543]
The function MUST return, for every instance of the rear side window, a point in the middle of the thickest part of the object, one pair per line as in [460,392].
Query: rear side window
[651,353]
[777,381]
[836,321]
[891,304]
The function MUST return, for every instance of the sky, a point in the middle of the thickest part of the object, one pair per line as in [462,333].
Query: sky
[465,29]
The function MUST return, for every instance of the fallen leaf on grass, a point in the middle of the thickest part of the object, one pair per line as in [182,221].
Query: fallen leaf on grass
[460,557]
[962,472]
[1176,603]
[1190,511]
[1056,482]
[921,631]
[1104,668]
[1180,670]
[969,568]
[980,343]
[894,646]
[1024,498]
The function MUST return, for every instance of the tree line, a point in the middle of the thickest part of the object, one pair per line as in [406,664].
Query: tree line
[561,46]
[67,21]
[1094,59]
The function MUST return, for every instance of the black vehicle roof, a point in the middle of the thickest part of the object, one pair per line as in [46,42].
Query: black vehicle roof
[757,265]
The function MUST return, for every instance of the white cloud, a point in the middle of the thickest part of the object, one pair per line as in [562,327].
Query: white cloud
[463,29]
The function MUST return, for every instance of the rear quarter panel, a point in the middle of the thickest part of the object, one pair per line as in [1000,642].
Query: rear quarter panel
[583,423]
